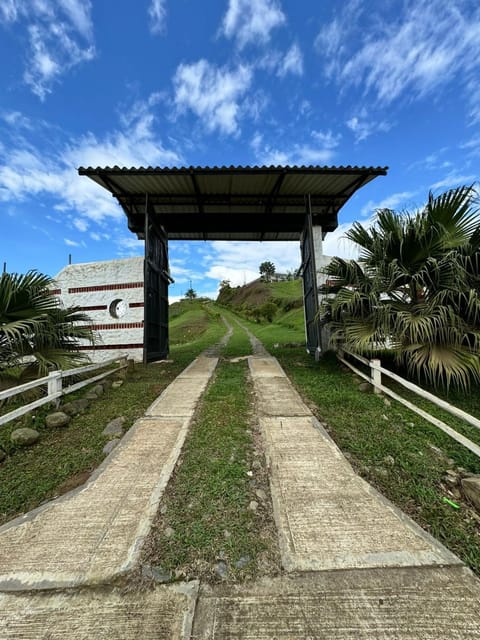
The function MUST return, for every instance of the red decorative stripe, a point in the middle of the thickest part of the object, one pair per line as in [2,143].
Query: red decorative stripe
[135,304]
[103,347]
[55,292]
[97,307]
[119,325]
[107,287]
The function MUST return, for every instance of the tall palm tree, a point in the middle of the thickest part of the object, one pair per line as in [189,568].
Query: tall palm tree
[415,289]
[36,334]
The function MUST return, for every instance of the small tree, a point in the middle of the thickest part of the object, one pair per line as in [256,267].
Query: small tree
[225,285]
[267,270]
[268,311]
[191,294]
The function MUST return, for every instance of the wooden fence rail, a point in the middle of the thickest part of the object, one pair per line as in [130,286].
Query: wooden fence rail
[54,386]
[375,379]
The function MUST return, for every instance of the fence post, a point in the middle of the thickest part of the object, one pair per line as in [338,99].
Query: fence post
[54,384]
[375,375]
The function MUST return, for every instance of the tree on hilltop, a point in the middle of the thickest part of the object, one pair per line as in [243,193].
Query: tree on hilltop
[267,271]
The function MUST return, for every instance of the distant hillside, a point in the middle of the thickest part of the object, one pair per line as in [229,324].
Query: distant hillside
[260,301]
[190,319]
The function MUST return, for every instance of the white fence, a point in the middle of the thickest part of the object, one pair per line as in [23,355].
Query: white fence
[375,378]
[54,386]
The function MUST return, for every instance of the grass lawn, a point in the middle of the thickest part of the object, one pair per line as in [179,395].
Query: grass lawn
[207,500]
[64,458]
[398,452]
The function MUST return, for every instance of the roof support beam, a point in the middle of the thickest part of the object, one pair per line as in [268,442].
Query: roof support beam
[201,210]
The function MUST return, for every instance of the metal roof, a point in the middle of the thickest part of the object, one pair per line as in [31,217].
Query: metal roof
[232,203]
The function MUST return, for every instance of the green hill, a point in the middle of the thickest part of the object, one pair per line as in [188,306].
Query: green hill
[191,319]
[267,302]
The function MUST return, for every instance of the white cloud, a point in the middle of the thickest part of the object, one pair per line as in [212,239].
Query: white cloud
[157,14]
[212,93]
[327,139]
[433,161]
[335,243]
[73,243]
[9,10]
[390,202]
[79,14]
[27,171]
[292,62]
[252,21]
[454,180]
[409,54]
[60,36]
[239,261]
[363,126]
[320,152]
[81,224]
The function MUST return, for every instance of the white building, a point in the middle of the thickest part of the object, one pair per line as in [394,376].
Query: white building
[111,294]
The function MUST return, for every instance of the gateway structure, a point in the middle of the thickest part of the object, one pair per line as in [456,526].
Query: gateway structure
[229,203]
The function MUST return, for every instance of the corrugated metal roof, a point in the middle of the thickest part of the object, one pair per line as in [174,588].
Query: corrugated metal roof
[232,202]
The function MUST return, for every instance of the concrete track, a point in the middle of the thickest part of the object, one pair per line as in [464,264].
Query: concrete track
[355,566]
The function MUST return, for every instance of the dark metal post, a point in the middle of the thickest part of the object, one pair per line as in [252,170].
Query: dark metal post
[145,284]
[310,290]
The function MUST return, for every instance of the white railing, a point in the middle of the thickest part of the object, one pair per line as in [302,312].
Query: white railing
[375,379]
[54,386]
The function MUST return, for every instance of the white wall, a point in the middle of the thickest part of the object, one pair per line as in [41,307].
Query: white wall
[94,286]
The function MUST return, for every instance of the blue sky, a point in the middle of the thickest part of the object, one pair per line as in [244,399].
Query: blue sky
[183,82]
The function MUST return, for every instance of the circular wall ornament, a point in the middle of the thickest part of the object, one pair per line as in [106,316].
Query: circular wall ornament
[118,308]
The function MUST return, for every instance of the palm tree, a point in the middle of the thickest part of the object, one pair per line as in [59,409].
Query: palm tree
[36,334]
[415,289]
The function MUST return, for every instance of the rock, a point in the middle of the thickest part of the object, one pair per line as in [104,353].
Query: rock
[110,446]
[253,506]
[242,562]
[57,420]
[256,464]
[81,404]
[364,470]
[261,494]
[114,427]
[389,460]
[385,417]
[159,574]
[70,408]
[221,569]
[380,471]
[387,402]
[471,488]
[98,390]
[116,384]
[24,437]
[91,395]
[168,532]
[451,478]
[163,509]
[227,534]
[365,387]
[436,450]
[3,455]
